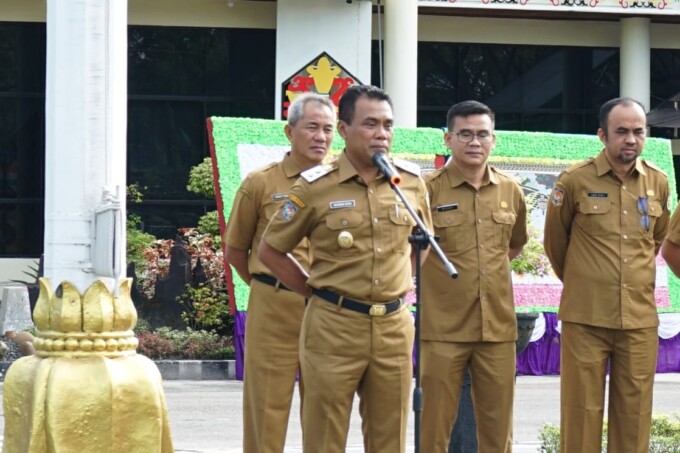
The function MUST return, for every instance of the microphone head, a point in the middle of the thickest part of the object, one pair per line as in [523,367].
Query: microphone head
[379,158]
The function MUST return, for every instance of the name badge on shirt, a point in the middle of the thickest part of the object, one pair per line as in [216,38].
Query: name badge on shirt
[279,196]
[342,204]
[447,207]
[598,194]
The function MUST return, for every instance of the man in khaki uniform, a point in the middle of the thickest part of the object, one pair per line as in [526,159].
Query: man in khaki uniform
[670,249]
[604,225]
[480,216]
[357,335]
[274,311]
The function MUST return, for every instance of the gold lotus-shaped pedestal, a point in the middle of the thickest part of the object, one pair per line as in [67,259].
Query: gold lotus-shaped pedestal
[85,389]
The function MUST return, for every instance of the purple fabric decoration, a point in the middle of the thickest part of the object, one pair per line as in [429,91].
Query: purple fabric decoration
[239,342]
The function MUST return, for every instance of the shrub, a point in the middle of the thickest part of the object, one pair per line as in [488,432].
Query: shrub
[201,179]
[198,245]
[210,224]
[206,308]
[665,435]
[166,343]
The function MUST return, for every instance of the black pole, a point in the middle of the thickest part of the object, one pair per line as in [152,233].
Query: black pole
[421,238]
[418,238]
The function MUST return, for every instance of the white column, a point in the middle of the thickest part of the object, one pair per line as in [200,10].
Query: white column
[636,59]
[85,114]
[401,59]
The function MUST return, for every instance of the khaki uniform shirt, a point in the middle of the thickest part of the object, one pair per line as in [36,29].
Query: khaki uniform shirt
[599,247]
[476,229]
[674,228]
[358,232]
[256,202]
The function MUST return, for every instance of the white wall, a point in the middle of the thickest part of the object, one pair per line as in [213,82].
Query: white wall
[537,32]
[13,269]
[305,28]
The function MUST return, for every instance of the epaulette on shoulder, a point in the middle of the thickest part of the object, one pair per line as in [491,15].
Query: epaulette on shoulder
[317,172]
[502,173]
[427,177]
[581,164]
[262,169]
[407,166]
[654,167]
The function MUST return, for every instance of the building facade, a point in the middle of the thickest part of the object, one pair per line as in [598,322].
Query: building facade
[542,65]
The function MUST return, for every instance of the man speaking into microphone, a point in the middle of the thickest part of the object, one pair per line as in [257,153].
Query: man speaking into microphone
[357,334]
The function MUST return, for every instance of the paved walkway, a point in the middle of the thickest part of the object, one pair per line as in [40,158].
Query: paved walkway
[206,415]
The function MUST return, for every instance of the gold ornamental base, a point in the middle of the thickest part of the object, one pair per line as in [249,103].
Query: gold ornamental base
[85,389]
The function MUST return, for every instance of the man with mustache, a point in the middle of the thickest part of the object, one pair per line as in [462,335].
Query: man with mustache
[604,226]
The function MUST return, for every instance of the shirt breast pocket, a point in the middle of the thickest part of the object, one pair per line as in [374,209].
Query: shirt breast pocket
[448,225]
[401,226]
[503,221]
[654,211]
[596,216]
[344,232]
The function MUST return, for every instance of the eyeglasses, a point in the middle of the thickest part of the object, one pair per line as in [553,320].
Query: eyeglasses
[642,207]
[467,137]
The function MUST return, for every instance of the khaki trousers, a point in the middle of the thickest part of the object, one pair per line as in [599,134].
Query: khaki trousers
[343,352]
[492,369]
[585,352]
[271,366]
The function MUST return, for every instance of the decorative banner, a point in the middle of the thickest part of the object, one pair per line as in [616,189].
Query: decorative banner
[636,7]
[240,145]
[322,75]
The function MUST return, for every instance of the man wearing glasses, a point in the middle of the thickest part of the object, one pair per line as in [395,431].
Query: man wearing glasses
[480,216]
[604,225]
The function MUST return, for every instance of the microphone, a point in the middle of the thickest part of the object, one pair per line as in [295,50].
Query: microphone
[381,161]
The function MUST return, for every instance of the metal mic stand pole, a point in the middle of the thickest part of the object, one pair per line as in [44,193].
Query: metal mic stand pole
[421,238]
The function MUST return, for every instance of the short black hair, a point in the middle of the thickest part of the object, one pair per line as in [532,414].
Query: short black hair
[466,108]
[608,106]
[349,100]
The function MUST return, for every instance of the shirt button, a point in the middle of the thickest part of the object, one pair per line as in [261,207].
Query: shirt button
[625,260]
[479,220]
[344,222]
[481,246]
[375,220]
[625,236]
[476,195]
[379,250]
[405,218]
[625,286]
[595,207]
[625,212]
[370,190]
[483,271]
[623,187]
[376,281]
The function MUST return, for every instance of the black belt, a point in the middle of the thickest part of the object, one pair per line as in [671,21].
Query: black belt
[351,304]
[271,281]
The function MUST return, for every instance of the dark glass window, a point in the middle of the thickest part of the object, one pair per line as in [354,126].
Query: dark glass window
[665,75]
[22,138]
[178,76]
[533,88]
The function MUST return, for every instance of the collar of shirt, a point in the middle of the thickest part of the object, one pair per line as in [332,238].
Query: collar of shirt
[603,166]
[346,170]
[456,178]
[290,168]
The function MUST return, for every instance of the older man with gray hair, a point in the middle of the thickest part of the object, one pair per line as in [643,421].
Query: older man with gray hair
[274,312]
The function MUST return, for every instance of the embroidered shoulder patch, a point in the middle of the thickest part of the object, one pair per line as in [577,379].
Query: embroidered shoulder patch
[296,200]
[557,196]
[288,210]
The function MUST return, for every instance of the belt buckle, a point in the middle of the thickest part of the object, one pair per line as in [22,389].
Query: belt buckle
[377,310]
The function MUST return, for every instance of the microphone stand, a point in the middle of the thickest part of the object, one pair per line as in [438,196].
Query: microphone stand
[421,238]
